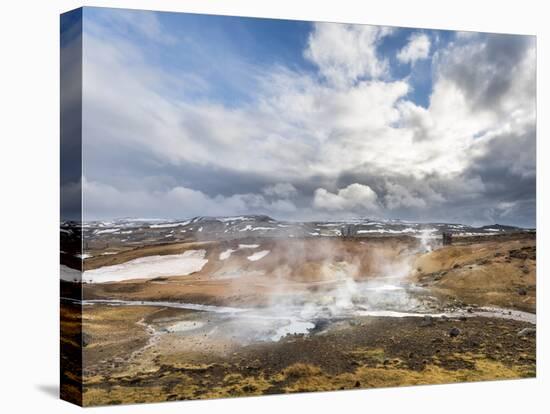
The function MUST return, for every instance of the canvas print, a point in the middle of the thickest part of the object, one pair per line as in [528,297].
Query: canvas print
[259,206]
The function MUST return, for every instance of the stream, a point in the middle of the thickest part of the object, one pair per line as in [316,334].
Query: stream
[272,324]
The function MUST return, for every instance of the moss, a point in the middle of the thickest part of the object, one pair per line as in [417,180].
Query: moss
[301,377]
[375,377]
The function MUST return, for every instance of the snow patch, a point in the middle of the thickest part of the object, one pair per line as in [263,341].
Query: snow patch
[149,267]
[258,255]
[168,225]
[226,254]
[248,246]
[106,231]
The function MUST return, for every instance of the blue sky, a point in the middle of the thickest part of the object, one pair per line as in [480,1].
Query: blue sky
[187,114]
[231,41]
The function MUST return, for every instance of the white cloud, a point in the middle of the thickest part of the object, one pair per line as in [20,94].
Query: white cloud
[298,129]
[417,120]
[354,196]
[346,53]
[417,48]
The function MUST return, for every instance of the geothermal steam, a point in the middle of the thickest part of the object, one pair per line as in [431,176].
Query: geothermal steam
[333,280]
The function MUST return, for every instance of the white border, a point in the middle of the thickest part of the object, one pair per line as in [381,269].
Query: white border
[29,161]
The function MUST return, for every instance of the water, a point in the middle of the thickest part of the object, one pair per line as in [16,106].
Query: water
[274,323]
[485,312]
[163,304]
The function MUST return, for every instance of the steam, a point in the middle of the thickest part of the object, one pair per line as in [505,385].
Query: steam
[304,285]
[427,239]
[318,282]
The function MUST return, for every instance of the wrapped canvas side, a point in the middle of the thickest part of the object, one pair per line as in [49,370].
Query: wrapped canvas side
[71,338]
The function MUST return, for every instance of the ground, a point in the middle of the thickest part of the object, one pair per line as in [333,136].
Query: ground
[149,353]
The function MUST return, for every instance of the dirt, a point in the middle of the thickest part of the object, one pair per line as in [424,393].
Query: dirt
[492,272]
[131,354]
[359,352]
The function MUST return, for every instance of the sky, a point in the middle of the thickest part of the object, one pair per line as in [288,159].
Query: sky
[186,115]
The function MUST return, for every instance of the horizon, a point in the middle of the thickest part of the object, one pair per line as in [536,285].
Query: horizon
[343,220]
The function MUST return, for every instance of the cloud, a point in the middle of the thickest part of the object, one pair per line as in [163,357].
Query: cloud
[491,72]
[143,23]
[282,190]
[101,200]
[417,120]
[417,48]
[305,142]
[399,196]
[354,196]
[346,53]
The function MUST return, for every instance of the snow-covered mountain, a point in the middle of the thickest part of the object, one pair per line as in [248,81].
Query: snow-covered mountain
[208,228]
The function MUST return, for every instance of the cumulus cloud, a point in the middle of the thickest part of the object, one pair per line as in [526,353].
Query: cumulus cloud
[417,48]
[492,72]
[346,53]
[417,120]
[353,197]
[160,138]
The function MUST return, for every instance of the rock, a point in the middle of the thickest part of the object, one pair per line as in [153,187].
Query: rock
[85,339]
[456,266]
[427,320]
[527,332]
[357,384]
[474,343]
[453,332]
[522,291]
[518,254]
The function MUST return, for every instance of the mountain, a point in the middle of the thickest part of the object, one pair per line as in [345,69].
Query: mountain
[140,231]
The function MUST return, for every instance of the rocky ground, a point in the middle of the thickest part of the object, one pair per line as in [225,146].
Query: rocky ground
[137,354]
[354,353]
